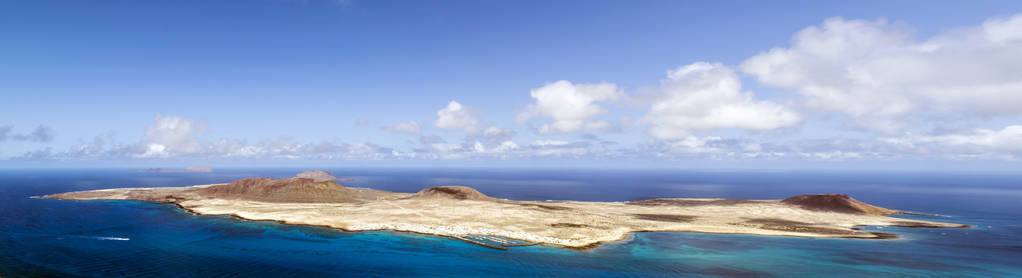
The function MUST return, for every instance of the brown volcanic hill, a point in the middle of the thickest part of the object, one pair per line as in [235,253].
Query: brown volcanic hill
[452,192]
[293,190]
[836,203]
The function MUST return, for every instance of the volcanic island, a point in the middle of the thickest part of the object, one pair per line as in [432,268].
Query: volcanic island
[315,198]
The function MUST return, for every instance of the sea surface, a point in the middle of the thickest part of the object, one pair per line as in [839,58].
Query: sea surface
[41,237]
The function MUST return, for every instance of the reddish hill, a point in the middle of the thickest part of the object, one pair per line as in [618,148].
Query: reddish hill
[293,190]
[452,192]
[836,203]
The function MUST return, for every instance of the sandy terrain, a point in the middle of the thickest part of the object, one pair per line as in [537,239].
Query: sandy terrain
[462,212]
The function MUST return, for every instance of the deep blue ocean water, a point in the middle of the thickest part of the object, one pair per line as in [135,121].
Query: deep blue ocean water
[40,237]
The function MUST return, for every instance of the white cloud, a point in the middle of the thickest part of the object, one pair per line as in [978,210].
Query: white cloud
[497,133]
[506,147]
[977,143]
[456,116]
[410,127]
[832,155]
[877,74]
[695,145]
[707,147]
[570,106]
[154,150]
[703,96]
[171,135]
[478,147]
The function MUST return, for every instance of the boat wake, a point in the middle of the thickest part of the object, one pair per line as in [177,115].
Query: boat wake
[111,238]
[93,237]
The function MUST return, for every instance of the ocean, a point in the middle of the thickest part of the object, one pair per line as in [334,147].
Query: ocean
[42,237]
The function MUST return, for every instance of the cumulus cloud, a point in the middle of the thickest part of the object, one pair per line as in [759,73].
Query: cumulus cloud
[39,134]
[571,107]
[456,116]
[703,96]
[410,127]
[171,135]
[881,77]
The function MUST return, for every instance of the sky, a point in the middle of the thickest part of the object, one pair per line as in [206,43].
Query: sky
[650,84]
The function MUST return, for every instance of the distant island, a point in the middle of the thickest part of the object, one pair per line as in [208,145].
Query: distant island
[189,169]
[320,175]
[314,198]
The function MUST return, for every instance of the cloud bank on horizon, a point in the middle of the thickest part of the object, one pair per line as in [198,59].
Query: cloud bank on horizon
[900,97]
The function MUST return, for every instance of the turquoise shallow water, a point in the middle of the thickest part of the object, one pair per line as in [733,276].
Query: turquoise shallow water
[121,238]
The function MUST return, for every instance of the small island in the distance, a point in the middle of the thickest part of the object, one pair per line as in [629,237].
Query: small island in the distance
[314,198]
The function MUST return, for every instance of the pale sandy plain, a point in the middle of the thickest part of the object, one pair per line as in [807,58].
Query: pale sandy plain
[464,213]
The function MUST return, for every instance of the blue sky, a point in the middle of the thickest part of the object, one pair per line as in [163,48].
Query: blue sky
[721,84]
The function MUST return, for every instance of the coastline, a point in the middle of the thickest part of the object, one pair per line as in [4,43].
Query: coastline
[626,237]
[455,231]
